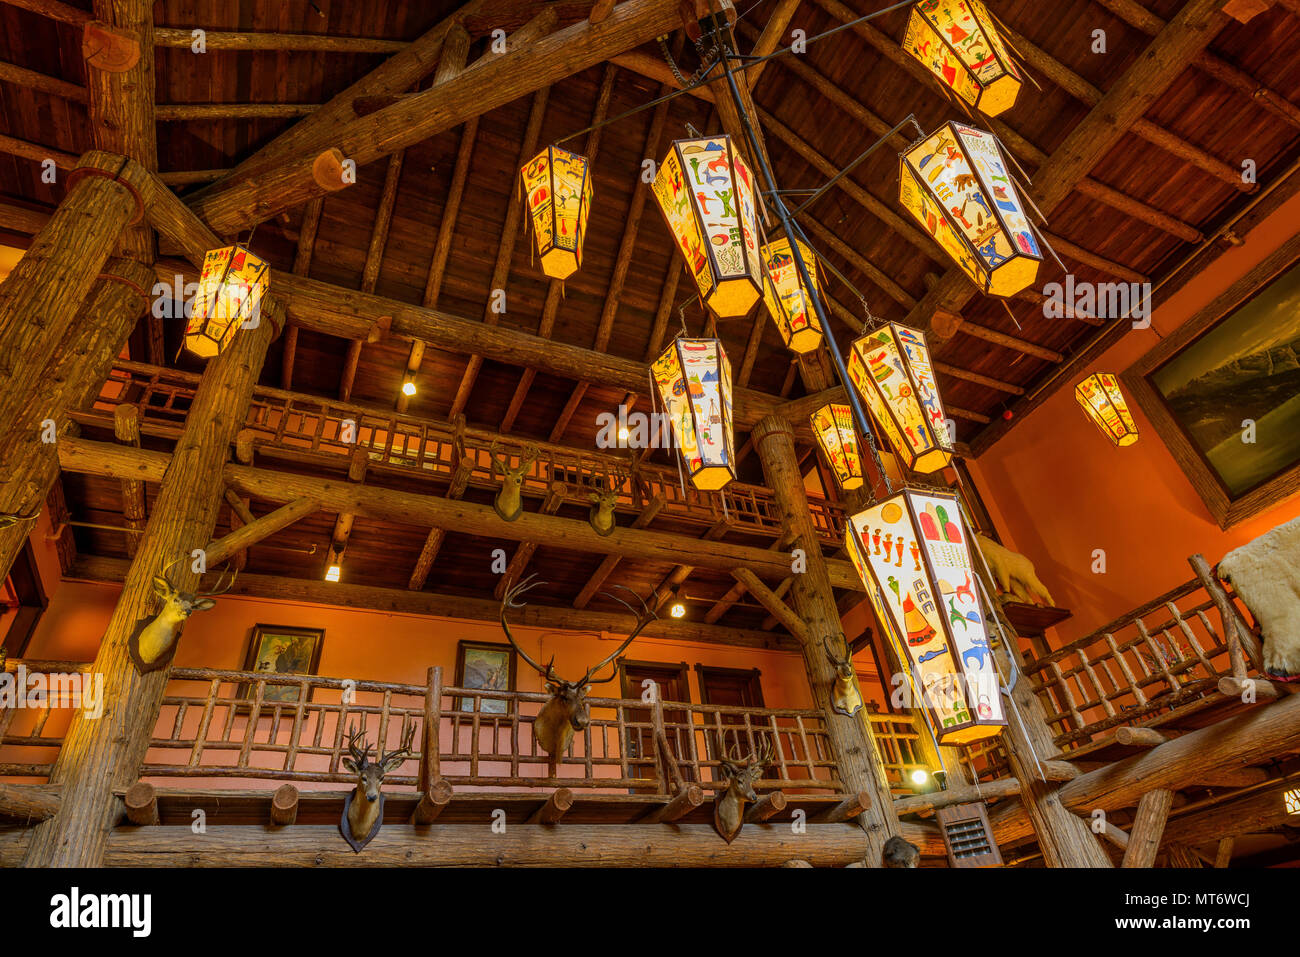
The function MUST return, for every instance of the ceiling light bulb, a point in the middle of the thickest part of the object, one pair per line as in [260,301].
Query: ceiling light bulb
[408,387]
[677,610]
[920,776]
[333,573]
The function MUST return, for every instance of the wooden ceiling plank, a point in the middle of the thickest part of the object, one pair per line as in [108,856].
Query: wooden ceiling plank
[54,10]
[610,562]
[227,41]
[506,248]
[402,601]
[238,201]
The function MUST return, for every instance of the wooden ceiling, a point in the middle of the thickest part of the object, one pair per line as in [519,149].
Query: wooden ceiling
[1137,153]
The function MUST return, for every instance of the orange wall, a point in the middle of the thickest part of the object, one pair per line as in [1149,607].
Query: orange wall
[1058,489]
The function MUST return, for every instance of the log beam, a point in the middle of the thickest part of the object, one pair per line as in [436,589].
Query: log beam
[266,526]
[100,755]
[610,562]
[919,803]
[25,804]
[1148,828]
[429,553]
[399,600]
[284,805]
[238,202]
[126,429]
[773,603]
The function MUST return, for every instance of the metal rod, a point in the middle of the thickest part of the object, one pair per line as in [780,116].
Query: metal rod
[848,169]
[793,231]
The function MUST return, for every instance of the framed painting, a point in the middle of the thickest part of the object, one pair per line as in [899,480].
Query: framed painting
[488,666]
[282,650]
[1223,391]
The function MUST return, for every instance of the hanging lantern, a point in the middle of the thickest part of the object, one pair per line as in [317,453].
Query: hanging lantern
[957,41]
[557,184]
[913,554]
[890,368]
[1291,801]
[955,183]
[706,193]
[787,299]
[694,381]
[1103,401]
[833,428]
[230,294]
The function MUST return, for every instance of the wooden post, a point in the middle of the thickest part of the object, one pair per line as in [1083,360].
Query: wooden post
[28,466]
[142,804]
[100,755]
[859,764]
[1148,828]
[284,805]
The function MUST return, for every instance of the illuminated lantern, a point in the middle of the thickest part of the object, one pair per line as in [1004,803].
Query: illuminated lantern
[787,299]
[1103,401]
[1291,800]
[230,293]
[832,426]
[913,553]
[890,368]
[694,382]
[957,41]
[956,185]
[706,193]
[557,185]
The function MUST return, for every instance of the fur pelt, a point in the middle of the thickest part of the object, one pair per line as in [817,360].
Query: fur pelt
[1266,574]
[1014,574]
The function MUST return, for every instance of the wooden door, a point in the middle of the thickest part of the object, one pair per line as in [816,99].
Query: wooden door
[673,685]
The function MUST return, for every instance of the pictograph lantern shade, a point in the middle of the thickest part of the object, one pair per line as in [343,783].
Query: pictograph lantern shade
[832,426]
[788,300]
[706,193]
[557,185]
[913,554]
[958,42]
[230,293]
[694,381]
[1291,800]
[890,368]
[956,185]
[1101,398]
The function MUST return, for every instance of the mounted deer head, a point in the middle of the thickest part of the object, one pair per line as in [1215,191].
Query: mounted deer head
[153,640]
[899,852]
[509,502]
[567,710]
[740,776]
[846,697]
[601,515]
[363,811]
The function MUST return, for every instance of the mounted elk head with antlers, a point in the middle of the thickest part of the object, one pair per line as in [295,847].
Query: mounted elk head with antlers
[740,776]
[363,811]
[567,710]
[151,644]
[509,502]
[601,514]
[846,696]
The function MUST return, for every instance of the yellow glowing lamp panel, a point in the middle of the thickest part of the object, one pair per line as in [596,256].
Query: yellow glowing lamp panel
[1101,398]
[912,552]
[832,426]
[962,173]
[557,185]
[890,368]
[231,287]
[1291,801]
[958,42]
[693,378]
[786,298]
[706,193]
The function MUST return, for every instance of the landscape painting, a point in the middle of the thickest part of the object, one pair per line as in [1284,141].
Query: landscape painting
[1234,391]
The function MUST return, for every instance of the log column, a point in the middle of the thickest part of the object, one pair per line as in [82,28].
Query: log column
[99,756]
[47,287]
[858,760]
[71,379]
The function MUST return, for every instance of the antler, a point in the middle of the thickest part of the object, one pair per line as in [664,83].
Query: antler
[528,456]
[389,760]
[219,590]
[644,618]
[497,463]
[508,601]
[359,755]
[830,652]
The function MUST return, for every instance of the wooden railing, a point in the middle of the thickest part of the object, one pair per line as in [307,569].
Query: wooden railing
[325,431]
[1166,655]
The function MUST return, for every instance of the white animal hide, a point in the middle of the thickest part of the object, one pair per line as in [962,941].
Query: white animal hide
[1266,574]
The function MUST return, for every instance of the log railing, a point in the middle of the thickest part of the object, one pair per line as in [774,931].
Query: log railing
[316,431]
[243,725]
